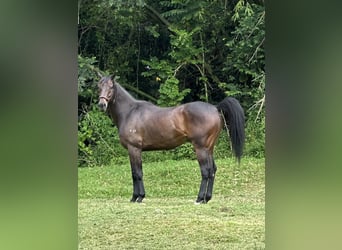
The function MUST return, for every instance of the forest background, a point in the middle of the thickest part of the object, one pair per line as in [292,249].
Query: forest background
[168,53]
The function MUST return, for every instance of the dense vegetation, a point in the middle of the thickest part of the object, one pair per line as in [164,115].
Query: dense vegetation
[170,52]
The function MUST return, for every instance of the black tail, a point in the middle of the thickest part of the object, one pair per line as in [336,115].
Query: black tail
[234,118]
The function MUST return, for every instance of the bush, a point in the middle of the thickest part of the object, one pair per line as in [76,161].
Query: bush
[98,140]
[255,138]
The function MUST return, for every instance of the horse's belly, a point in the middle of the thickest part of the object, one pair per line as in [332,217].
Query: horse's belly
[163,142]
[152,140]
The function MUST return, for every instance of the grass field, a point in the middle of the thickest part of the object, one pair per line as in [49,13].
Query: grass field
[168,218]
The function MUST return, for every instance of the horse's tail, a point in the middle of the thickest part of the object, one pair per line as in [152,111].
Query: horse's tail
[234,119]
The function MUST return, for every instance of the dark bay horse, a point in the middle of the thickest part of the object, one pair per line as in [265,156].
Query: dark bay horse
[144,126]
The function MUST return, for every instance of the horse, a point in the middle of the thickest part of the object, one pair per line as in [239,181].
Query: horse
[143,126]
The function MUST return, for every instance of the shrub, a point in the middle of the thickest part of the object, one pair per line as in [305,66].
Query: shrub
[255,138]
[98,140]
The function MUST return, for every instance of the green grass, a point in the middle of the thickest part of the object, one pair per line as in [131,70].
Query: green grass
[168,218]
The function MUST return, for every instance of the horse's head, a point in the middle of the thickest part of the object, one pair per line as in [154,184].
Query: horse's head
[106,92]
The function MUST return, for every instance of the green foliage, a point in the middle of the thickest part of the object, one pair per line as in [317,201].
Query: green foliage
[183,53]
[184,10]
[86,76]
[185,151]
[162,71]
[153,30]
[98,141]
[255,138]
[183,49]
[245,65]
[170,94]
[223,149]
[246,60]
[85,153]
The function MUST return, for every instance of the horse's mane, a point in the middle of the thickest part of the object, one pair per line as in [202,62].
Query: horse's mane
[122,91]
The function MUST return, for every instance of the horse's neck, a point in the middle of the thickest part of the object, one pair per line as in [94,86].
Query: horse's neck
[122,105]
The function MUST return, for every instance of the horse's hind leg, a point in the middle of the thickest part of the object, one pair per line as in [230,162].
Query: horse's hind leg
[208,170]
[137,174]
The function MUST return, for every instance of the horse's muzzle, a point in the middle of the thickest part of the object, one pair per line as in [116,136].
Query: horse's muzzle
[102,105]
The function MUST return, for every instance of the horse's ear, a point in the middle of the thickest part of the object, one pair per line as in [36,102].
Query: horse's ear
[99,74]
[113,78]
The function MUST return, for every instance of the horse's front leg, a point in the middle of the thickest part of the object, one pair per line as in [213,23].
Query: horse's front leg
[137,174]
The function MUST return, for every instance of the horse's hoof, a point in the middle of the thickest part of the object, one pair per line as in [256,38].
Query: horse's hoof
[134,199]
[140,199]
[199,202]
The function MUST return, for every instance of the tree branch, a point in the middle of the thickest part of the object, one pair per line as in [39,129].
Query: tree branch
[160,17]
[139,92]
[256,50]
[259,103]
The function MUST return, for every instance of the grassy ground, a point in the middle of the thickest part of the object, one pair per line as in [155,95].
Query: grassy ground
[168,218]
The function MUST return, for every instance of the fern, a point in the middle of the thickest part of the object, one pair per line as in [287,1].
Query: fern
[184,10]
[174,13]
[169,4]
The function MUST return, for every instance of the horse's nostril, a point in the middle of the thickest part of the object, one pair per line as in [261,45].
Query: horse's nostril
[102,106]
